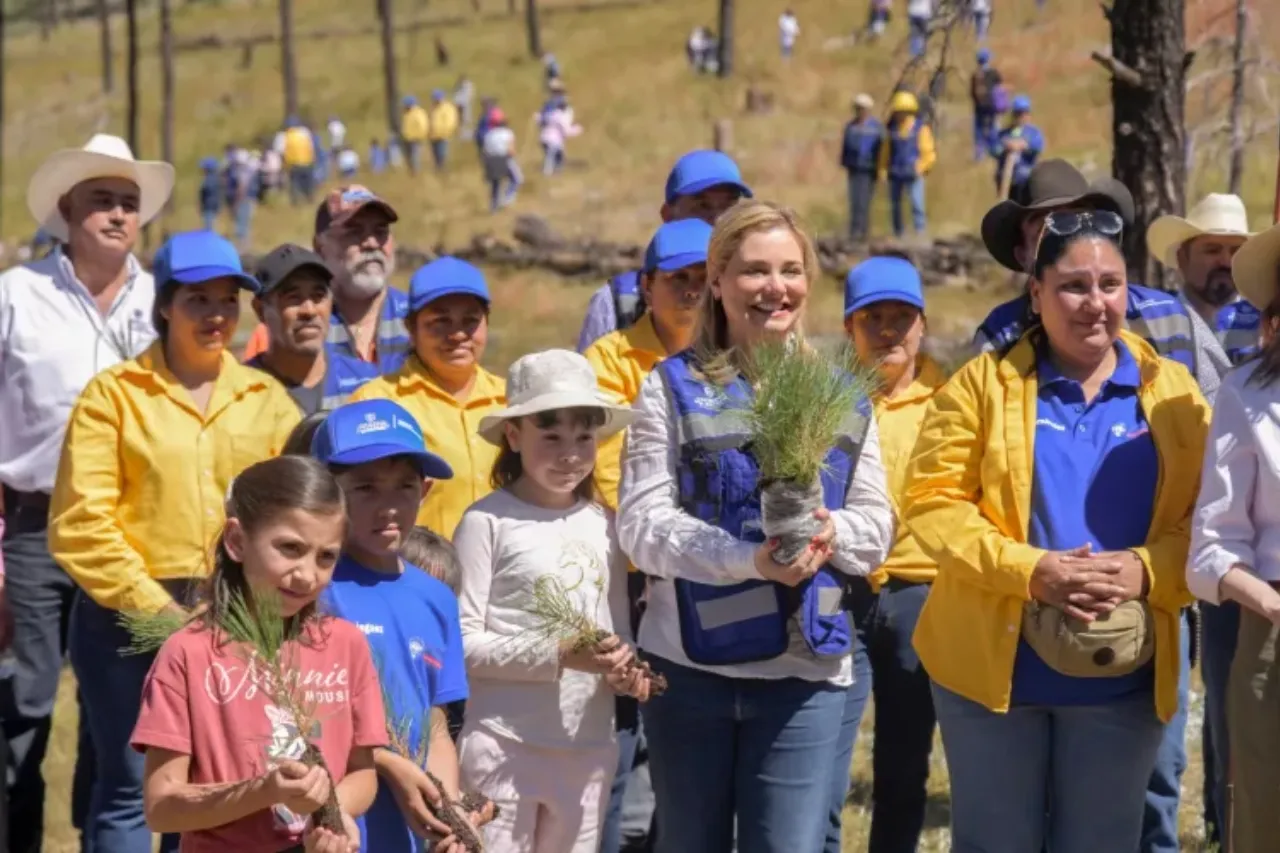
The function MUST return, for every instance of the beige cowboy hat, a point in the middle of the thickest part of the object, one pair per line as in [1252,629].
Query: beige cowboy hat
[1216,214]
[1256,268]
[550,380]
[103,156]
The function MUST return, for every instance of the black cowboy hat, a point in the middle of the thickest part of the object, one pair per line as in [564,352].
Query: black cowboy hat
[1053,183]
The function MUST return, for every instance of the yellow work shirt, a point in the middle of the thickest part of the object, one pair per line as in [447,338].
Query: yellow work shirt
[451,428]
[142,483]
[444,121]
[621,360]
[898,419]
[414,125]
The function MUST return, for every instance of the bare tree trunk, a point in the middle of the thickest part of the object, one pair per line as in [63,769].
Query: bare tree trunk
[389,65]
[725,55]
[1237,100]
[288,71]
[1148,67]
[166,87]
[104,40]
[532,28]
[131,103]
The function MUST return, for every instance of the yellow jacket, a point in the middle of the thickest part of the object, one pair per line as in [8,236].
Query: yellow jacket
[622,360]
[143,479]
[898,419]
[444,121]
[969,502]
[451,429]
[414,124]
[928,149]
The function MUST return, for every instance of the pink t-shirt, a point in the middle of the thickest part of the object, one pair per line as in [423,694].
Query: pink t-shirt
[208,702]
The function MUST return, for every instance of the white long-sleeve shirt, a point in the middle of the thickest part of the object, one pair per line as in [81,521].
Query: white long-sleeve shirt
[518,688]
[1237,517]
[667,543]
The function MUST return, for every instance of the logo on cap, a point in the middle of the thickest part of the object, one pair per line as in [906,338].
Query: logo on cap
[372,424]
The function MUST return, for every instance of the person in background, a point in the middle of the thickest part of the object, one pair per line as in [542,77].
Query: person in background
[464,94]
[788,33]
[860,158]
[919,15]
[272,167]
[550,70]
[210,193]
[1233,564]
[337,135]
[295,303]
[443,385]
[982,91]
[701,185]
[746,732]
[556,125]
[1225,331]
[878,17]
[1081,442]
[981,11]
[885,321]
[487,106]
[693,47]
[1022,141]
[169,429]
[90,289]
[348,163]
[395,152]
[323,159]
[907,155]
[500,167]
[377,157]
[414,127]
[443,120]
[239,176]
[299,155]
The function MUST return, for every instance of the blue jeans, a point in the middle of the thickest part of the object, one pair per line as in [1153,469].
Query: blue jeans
[210,219]
[111,693]
[415,156]
[914,190]
[1219,629]
[439,152]
[862,186]
[1164,788]
[1069,777]
[863,609]
[244,216]
[628,745]
[919,34]
[984,131]
[756,750]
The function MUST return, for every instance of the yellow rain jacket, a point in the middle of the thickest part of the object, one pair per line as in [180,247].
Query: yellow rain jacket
[968,501]
[443,120]
[414,124]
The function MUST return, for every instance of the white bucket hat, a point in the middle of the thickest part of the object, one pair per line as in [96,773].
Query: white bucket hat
[1256,268]
[103,156]
[554,379]
[1216,214]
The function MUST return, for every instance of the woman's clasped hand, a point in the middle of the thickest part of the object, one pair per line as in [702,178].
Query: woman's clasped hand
[1086,584]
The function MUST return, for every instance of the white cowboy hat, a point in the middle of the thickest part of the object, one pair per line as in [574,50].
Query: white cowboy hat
[1217,214]
[554,379]
[104,156]
[1256,268]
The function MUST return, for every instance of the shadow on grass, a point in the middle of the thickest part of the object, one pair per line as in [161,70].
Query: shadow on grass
[937,809]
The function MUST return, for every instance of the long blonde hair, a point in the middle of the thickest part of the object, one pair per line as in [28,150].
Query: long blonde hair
[717,360]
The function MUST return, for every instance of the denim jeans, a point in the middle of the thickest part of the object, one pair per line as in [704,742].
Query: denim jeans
[755,749]
[628,720]
[302,181]
[914,190]
[1164,788]
[415,156]
[863,602]
[862,186]
[1088,764]
[1219,627]
[984,131]
[111,690]
[244,217]
[981,24]
[439,152]
[552,159]
[210,219]
[919,34]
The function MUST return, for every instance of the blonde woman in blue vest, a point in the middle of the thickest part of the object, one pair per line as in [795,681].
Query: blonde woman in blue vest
[748,727]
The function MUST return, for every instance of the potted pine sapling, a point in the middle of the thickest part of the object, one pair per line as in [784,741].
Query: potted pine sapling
[267,641]
[803,400]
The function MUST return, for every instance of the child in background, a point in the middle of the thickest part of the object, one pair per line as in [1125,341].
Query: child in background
[222,759]
[210,193]
[539,736]
[376,450]
[437,557]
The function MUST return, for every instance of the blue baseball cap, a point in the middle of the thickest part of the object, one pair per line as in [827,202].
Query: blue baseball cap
[369,430]
[882,279]
[1021,104]
[700,170]
[410,101]
[194,257]
[445,277]
[984,56]
[677,245]
[209,164]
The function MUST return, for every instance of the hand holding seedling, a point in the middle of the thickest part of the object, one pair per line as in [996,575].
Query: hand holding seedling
[317,839]
[416,795]
[299,788]
[633,682]
[807,564]
[609,655]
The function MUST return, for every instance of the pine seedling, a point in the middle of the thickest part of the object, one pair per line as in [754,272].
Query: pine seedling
[149,631]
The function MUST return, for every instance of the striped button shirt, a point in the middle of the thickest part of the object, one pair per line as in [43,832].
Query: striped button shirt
[393,343]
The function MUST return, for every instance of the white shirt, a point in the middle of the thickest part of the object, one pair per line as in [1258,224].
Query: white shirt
[788,28]
[348,160]
[337,133]
[518,688]
[666,542]
[920,8]
[1237,517]
[52,342]
[499,142]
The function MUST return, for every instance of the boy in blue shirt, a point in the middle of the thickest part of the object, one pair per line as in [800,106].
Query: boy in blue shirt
[376,450]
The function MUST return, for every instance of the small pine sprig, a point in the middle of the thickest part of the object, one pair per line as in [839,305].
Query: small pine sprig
[149,631]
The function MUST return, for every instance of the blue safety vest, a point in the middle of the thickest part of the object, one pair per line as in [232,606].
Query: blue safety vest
[718,481]
[862,141]
[628,305]
[904,153]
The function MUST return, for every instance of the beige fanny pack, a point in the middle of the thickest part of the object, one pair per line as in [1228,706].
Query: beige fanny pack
[1116,644]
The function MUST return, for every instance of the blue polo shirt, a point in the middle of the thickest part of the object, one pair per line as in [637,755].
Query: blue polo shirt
[411,623]
[393,338]
[1094,481]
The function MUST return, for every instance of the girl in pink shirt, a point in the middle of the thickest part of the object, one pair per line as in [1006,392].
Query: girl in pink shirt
[222,746]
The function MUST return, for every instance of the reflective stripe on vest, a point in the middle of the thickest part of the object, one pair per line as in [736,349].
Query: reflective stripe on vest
[628,305]
[718,482]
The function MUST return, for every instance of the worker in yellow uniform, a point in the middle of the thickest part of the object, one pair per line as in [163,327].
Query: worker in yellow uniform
[414,127]
[138,506]
[907,155]
[299,159]
[443,120]
[443,385]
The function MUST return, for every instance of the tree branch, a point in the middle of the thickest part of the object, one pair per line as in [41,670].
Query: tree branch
[1119,70]
[1106,11]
